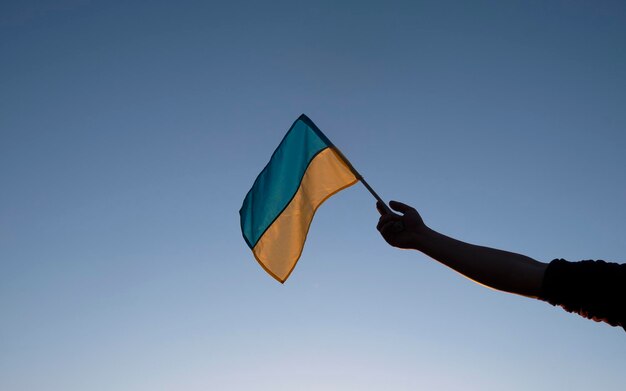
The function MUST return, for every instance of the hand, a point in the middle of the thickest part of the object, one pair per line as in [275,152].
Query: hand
[402,231]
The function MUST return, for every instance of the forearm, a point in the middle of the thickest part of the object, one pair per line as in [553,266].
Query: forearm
[498,269]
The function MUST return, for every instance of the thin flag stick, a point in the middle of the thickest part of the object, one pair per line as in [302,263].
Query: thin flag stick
[361,179]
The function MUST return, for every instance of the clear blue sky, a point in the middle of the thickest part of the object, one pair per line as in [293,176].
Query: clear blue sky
[131,131]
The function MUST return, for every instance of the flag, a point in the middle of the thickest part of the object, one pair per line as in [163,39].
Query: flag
[304,171]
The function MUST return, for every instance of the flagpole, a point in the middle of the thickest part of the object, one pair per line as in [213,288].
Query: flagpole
[361,179]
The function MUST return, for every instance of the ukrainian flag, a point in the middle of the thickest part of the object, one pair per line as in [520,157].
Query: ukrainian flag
[303,172]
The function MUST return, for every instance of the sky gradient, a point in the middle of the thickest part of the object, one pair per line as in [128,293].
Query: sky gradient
[131,131]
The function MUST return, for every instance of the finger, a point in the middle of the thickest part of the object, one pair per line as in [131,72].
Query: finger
[400,207]
[386,219]
[391,228]
[398,226]
[385,228]
[381,208]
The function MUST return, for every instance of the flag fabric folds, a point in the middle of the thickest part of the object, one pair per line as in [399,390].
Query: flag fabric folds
[304,171]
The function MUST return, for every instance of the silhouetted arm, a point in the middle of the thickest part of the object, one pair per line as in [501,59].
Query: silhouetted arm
[498,269]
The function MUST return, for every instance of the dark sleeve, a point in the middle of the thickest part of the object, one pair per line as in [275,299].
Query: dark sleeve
[593,289]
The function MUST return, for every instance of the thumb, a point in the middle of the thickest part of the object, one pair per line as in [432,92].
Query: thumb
[400,207]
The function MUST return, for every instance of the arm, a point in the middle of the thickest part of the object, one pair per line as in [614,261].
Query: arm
[498,269]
